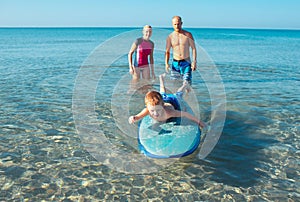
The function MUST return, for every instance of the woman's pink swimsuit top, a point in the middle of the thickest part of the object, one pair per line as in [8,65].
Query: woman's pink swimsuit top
[144,49]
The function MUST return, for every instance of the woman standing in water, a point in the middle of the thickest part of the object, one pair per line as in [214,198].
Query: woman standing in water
[143,62]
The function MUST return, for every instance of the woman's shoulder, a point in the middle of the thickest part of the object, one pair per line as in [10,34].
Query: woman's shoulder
[138,41]
[151,42]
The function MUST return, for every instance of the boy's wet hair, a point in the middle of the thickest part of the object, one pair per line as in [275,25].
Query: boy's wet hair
[153,98]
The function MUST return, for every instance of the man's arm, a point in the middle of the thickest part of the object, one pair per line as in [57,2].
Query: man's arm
[167,54]
[194,52]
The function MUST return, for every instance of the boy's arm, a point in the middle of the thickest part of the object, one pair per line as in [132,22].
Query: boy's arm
[162,88]
[139,116]
[193,118]
[189,116]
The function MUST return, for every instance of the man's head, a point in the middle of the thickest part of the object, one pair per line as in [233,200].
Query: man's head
[177,23]
[154,103]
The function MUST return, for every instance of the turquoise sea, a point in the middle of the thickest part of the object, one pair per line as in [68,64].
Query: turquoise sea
[65,98]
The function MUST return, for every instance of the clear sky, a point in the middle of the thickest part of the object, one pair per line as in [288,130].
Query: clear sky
[158,13]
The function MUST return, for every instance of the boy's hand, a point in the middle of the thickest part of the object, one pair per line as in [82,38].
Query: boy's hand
[202,124]
[131,119]
[205,129]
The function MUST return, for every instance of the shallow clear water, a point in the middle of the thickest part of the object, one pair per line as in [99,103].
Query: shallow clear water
[45,156]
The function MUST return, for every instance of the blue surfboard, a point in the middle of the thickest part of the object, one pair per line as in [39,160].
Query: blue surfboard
[175,138]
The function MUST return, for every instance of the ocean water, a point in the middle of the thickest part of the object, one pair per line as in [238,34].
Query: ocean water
[66,95]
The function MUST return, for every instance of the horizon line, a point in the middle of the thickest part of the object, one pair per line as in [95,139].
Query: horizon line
[163,27]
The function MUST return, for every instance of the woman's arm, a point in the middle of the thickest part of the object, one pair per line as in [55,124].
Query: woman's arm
[142,114]
[152,63]
[132,50]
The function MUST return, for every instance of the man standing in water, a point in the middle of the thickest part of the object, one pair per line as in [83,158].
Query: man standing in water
[181,41]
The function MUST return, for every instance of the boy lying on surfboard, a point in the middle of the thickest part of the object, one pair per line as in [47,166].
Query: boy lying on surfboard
[162,106]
